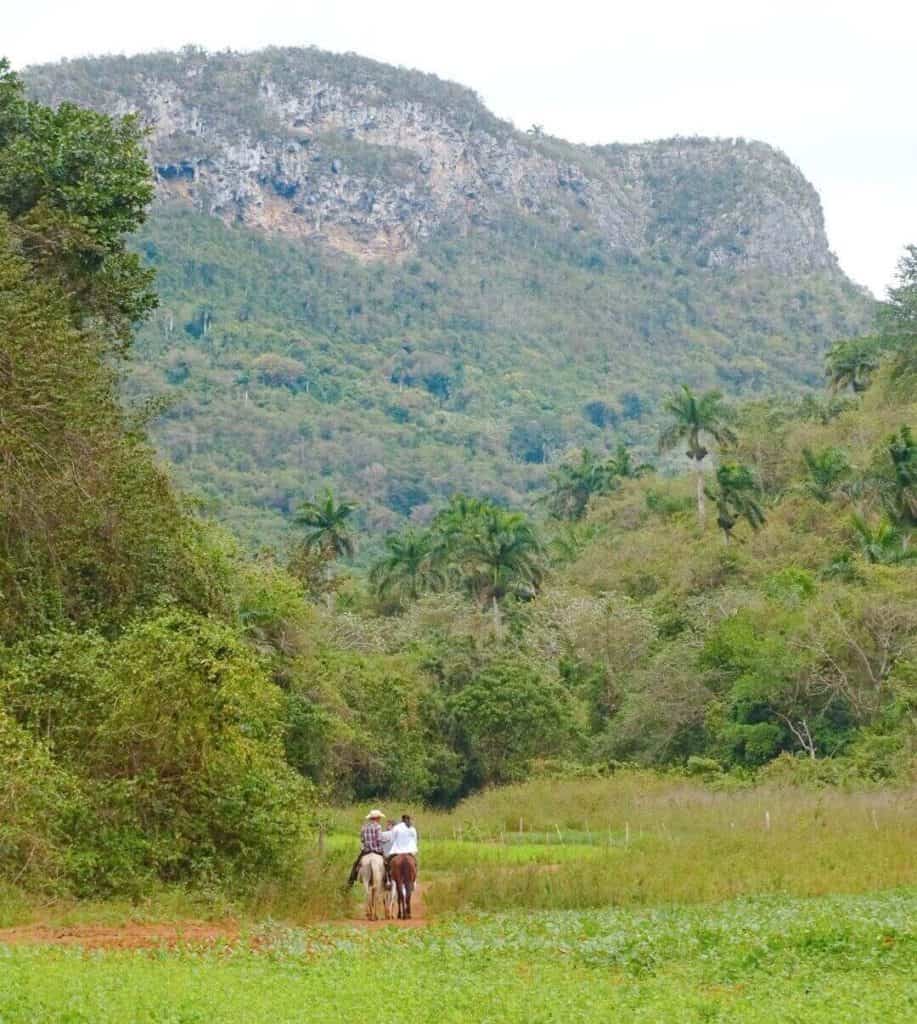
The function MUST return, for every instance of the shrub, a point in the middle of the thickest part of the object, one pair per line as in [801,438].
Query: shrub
[36,800]
[174,732]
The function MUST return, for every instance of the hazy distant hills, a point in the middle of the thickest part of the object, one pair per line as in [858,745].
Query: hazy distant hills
[371,282]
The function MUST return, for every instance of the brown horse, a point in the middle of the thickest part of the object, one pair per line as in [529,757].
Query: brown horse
[403,869]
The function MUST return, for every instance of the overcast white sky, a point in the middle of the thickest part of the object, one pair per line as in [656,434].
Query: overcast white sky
[830,83]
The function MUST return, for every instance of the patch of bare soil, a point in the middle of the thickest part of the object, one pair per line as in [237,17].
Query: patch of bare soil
[127,936]
[418,918]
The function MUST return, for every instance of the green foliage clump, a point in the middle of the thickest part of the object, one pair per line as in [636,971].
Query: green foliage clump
[364,726]
[169,739]
[507,715]
[71,209]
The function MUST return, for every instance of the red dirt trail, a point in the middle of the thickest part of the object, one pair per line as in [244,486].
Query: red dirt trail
[126,936]
[418,918]
[176,933]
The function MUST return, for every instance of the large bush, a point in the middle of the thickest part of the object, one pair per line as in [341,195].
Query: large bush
[173,734]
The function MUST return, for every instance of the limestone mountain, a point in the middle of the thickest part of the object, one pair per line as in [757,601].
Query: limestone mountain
[370,281]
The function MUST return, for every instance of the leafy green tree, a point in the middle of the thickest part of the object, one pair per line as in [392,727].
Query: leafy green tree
[74,184]
[773,697]
[852,363]
[359,726]
[408,568]
[91,528]
[882,543]
[504,717]
[694,417]
[734,497]
[328,521]
[827,470]
[898,316]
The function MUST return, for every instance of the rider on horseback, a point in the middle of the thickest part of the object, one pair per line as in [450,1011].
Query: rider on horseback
[400,839]
[372,840]
[404,838]
[403,864]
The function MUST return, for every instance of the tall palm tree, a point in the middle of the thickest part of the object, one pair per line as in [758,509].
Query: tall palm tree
[694,417]
[408,568]
[489,551]
[735,498]
[502,556]
[576,482]
[622,464]
[851,364]
[450,530]
[327,519]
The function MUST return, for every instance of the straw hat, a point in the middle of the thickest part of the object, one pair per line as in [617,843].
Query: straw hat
[375,813]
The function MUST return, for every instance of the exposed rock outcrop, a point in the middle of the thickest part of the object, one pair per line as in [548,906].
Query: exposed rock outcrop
[372,160]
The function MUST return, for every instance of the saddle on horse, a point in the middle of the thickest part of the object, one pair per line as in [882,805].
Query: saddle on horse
[354,871]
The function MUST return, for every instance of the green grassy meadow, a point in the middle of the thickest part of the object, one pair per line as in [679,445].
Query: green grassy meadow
[636,897]
[833,959]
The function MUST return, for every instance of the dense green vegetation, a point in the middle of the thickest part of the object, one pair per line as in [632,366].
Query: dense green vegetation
[173,711]
[141,734]
[291,369]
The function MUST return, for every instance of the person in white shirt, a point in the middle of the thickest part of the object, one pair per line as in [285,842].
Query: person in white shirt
[403,838]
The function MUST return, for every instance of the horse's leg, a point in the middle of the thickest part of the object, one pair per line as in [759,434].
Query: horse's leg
[412,881]
[370,901]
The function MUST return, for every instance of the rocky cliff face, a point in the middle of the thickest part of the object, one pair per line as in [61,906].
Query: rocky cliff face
[371,160]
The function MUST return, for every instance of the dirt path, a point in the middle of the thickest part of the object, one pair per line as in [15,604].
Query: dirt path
[127,936]
[177,933]
[418,917]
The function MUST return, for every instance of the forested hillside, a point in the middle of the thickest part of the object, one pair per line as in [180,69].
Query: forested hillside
[368,281]
[172,710]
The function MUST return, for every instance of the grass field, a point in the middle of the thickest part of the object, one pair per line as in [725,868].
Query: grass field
[832,960]
[636,897]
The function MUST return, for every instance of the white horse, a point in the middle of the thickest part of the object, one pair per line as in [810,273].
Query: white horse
[372,874]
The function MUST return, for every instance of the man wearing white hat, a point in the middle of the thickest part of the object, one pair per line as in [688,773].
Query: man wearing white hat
[372,840]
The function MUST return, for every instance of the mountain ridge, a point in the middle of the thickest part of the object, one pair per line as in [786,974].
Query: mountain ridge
[375,161]
[402,296]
